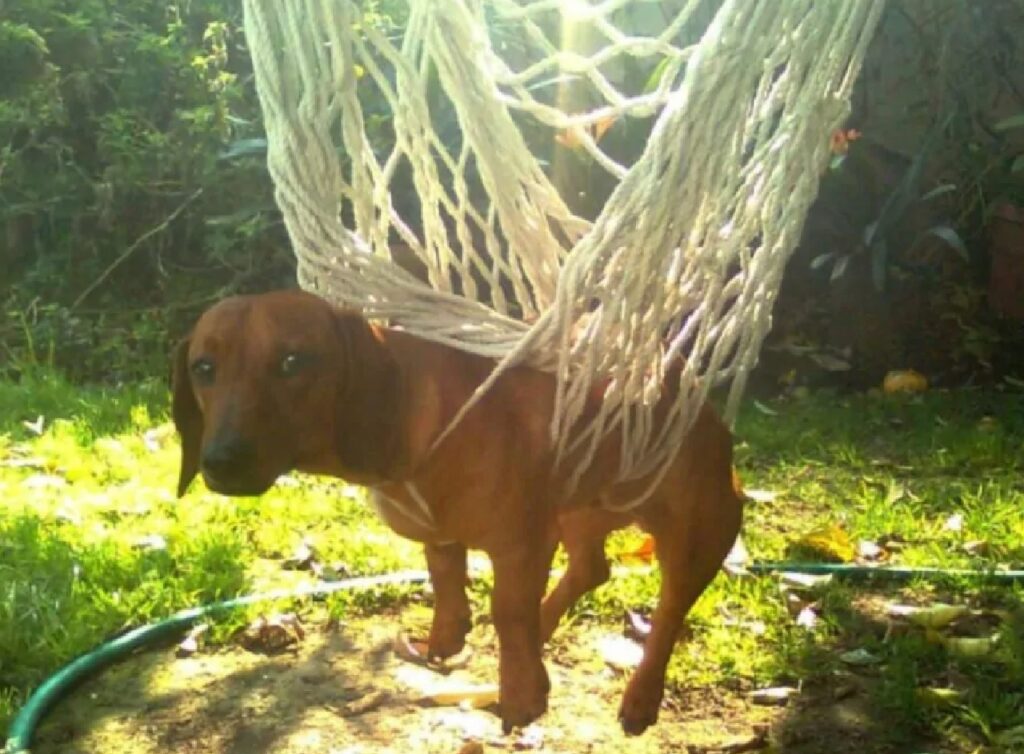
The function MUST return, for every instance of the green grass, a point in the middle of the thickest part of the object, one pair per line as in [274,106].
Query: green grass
[79,500]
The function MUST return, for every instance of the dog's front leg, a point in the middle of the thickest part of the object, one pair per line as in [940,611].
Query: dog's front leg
[452,617]
[520,575]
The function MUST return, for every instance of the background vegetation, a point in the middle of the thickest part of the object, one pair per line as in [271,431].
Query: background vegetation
[133,191]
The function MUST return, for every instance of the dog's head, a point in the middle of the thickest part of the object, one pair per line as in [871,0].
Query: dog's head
[269,383]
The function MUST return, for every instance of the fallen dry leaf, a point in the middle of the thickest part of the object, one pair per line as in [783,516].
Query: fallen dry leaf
[638,627]
[192,641]
[904,381]
[829,542]
[273,634]
[932,616]
[642,554]
[859,658]
[458,694]
[366,703]
[777,695]
[620,653]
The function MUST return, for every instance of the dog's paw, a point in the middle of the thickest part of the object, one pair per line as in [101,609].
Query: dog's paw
[639,708]
[524,700]
[448,638]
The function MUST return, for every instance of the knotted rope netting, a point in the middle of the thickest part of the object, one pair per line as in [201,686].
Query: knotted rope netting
[682,264]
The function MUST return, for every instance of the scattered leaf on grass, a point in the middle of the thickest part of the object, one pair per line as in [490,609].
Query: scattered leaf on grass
[638,626]
[620,653]
[44,481]
[794,580]
[302,558]
[859,658]
[970,647]
[938,696]
[643,554]
[777,695]
[904,381]
[150,542]
[807,618]
[932,616]
[191,643]
[761,496]
[868,550]
[977,547]
[35,427]
[829,542]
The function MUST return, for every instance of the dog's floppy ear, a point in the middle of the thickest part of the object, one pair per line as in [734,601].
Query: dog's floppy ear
[368,399]
[188,419]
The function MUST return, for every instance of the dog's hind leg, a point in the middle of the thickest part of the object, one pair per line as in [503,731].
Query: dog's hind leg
[691,541]
[583,533]
[452,618]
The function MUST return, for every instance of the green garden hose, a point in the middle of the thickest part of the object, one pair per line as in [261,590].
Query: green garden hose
[20,734]
[885,573]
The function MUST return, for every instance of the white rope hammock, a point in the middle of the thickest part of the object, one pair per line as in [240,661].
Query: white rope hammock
[683,262]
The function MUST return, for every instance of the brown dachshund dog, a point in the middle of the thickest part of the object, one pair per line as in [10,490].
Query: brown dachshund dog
[270,383]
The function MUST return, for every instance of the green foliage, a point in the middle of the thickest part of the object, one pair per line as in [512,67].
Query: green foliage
[114,116]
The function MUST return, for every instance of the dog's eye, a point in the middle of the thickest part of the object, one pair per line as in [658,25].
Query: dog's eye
[202,370]
[292,363]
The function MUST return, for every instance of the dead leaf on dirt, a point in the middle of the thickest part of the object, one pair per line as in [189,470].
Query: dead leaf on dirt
[273,634]
[191,643]
[471,747]
[418,652]
[620,653]
[362,705]
[775,696]
[473,696]
[756,740]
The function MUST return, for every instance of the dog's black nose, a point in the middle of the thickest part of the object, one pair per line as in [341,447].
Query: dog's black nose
[228,456]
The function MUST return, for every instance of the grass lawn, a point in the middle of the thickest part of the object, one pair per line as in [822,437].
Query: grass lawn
[93,541]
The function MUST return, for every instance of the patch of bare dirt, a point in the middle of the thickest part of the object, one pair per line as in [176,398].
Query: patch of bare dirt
[344,691]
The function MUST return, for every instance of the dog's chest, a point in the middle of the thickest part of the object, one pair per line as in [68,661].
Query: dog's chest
[404,509]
